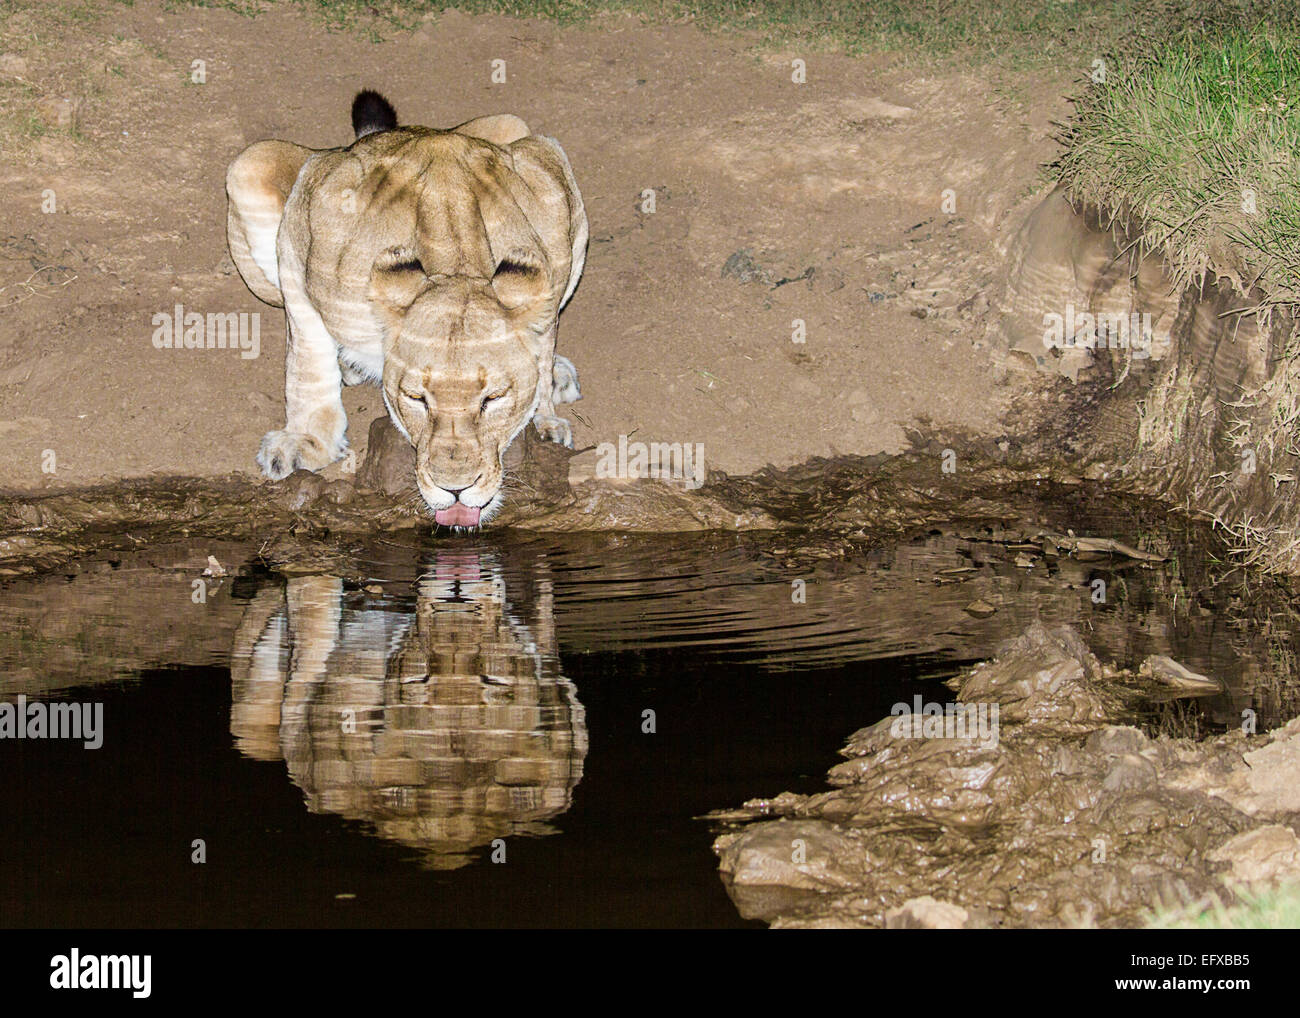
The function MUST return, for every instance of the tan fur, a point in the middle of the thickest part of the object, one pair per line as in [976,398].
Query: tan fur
[385,257]
[462,729]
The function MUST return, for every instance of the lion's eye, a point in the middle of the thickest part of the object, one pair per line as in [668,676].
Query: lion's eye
[414,397]
[492,398]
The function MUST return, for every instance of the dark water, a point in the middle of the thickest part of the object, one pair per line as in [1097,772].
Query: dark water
[454,732]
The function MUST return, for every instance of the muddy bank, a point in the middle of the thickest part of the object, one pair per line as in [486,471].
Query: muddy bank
[306,514]
[1193,401]
[852,496]
[1049,809]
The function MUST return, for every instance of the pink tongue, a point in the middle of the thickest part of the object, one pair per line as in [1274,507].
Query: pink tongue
[457,515]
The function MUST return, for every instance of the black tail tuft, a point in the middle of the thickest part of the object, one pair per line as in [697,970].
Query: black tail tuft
[371,112]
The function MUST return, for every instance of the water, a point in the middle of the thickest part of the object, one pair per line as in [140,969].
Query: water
[500,731]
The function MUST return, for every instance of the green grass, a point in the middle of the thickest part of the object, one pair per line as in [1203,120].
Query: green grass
[1029,33]
[1198,147]
[1064,33]
[1273,909]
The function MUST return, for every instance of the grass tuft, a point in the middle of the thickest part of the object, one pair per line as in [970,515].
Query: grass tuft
[1270,909]
[1197,147]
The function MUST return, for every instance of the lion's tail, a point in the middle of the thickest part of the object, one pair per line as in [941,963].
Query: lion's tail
[371,113]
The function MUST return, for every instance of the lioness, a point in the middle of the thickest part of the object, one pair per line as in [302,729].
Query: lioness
[432,262]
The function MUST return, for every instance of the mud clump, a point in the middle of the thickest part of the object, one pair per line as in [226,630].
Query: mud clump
[39,531]
[1056,813]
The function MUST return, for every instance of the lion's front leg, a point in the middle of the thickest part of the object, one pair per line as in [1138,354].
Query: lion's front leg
[316,424]
[558,382]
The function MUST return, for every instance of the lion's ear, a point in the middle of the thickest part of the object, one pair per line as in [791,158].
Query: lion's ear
[519,280]
[396,280]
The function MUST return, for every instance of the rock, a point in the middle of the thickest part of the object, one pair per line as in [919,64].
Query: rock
[1274,775]
[789,869]
[1265,780]
[807,855]
[390,460]
[925,913]
[301,489]
[20,545]
[742,267]
[1046,677]
[1266,854]
[979,609]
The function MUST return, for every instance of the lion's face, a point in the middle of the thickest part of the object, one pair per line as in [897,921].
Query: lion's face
[461,380]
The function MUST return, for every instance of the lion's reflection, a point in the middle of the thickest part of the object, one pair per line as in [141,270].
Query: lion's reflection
[445,724]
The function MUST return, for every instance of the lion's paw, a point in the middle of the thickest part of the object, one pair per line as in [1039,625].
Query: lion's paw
[565,388]
[283,452]
[554,429]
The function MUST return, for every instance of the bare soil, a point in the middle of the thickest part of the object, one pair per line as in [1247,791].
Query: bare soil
[833,190]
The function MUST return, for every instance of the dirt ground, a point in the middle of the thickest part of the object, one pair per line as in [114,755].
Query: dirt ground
[834,189]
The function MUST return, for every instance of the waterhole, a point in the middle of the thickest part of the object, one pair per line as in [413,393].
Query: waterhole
[522,730]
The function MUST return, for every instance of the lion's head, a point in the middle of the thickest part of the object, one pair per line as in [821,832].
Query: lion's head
[461,373]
